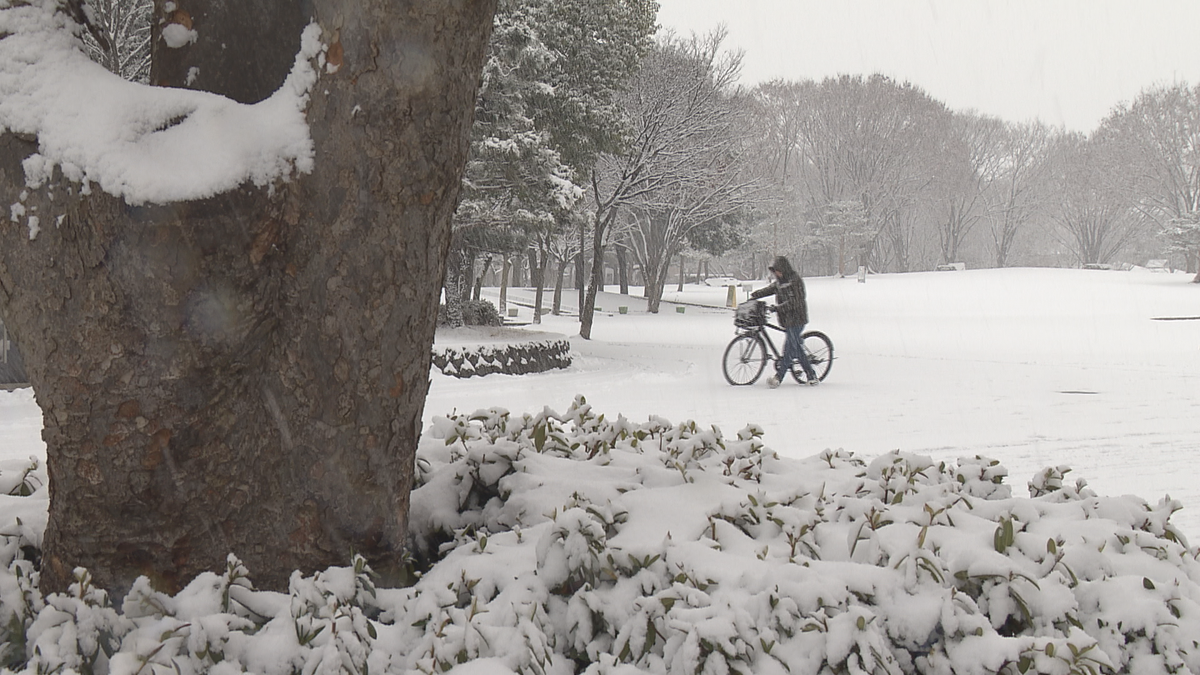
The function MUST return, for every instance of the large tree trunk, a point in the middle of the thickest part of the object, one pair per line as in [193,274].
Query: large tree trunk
[247,373]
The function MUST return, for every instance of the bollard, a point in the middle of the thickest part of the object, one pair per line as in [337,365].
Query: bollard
[731,298]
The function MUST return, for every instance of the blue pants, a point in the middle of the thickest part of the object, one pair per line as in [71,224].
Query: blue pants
[792,352]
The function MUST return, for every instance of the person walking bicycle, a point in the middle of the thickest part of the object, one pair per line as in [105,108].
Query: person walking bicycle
[791,305]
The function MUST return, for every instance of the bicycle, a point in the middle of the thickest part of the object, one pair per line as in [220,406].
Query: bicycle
[747,354]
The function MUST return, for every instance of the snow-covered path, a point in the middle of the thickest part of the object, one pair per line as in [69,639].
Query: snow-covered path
[1033,367]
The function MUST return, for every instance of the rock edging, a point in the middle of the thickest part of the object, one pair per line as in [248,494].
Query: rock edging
[508,359]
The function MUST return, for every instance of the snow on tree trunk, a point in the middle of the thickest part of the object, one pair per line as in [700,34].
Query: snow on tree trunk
[246,372]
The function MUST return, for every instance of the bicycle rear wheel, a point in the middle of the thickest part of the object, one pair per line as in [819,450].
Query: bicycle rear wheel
[744,360]
[820,355]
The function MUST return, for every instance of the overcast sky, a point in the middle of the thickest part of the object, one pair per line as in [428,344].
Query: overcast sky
[1067,62]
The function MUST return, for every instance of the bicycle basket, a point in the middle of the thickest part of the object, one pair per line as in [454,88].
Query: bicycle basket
[750,314]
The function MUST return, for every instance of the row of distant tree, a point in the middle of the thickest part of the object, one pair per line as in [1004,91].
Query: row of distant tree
[869,170]
[597,142]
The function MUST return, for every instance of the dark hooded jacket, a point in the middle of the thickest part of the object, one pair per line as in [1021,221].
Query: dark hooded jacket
[790,297]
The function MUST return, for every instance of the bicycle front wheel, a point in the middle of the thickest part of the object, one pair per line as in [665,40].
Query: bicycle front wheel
[745,358]
[820,353]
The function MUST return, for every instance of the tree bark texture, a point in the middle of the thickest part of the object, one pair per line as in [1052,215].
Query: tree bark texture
[247,373]
[241,49]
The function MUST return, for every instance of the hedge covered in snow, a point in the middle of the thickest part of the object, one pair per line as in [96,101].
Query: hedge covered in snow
[574,543]
[509,358]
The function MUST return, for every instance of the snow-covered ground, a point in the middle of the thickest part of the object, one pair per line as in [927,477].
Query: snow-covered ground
[628,545]
[1035,367]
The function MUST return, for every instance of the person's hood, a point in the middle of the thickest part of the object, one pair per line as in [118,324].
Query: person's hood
[781,263]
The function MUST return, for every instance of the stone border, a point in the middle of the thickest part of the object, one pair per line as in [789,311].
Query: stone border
[508,358]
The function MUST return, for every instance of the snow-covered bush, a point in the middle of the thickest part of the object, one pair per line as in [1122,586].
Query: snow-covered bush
[555,543]
[508,359]
[475,313]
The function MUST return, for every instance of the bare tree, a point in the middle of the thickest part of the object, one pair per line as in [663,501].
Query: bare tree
[970,165]
[779,111]
[1094,215]
[1019,191]
[564,247]
[868,140]
[1159,138]
[666,103]
[701,166]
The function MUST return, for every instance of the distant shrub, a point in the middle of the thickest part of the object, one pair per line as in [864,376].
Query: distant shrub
[475,313]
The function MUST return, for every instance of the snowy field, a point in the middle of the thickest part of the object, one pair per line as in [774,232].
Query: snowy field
[1034,367]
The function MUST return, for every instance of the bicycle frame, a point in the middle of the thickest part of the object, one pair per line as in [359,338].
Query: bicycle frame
[774,354]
